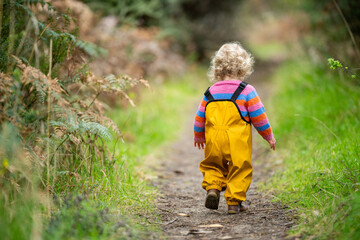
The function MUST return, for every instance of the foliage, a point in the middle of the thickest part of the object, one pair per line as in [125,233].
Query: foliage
[78,218]
[53,127]
[316,122]
[72,137]
[24,35]
[334,64]
[333,23]
[63,132]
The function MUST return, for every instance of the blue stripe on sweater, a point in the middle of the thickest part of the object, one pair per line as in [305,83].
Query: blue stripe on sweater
[198,129]
[262,128]
[257,112]
[228,96]
[222,95]
[251,95]
[244,114]
[200,114]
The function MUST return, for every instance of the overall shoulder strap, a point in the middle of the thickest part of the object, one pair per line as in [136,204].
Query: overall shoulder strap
[208,95]
[239,89]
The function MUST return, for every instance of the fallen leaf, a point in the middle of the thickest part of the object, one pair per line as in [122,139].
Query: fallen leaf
[183,214]
[198,231]
[212,226]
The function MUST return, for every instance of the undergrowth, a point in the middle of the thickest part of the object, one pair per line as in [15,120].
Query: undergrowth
[64,171]
[316,122]
[100,195]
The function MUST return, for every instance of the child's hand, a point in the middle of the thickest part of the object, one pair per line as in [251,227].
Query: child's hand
[200,145]
[272,143]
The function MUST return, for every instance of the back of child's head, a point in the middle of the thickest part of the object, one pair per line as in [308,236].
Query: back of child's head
[231,60]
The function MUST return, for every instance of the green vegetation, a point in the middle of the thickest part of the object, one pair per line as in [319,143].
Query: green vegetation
[65,173]
[316,120]
[96,195]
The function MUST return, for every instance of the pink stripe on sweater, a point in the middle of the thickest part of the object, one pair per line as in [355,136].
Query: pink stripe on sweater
[242,108]
[229,86]
[223,89]
[201,108]
[268,137]
[255,107]
[199,139]
[261,123]
[199,124]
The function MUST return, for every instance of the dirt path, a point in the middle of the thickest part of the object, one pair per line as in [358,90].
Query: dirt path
[181,204]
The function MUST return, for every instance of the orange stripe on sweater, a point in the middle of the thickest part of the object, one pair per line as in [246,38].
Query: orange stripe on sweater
[199,134]
[259,118]
[240,102]
[203,103]
[253,101]
[265,132]
[199,119]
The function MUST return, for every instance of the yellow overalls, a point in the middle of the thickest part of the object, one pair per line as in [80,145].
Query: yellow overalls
[227,164]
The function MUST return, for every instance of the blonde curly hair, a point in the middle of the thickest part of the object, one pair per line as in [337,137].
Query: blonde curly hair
[230,60]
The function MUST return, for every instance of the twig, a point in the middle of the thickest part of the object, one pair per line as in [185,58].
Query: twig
[316,199]
[96,96]
[35,42]
[50,57]
[348,28]
[59,147]
[170,222]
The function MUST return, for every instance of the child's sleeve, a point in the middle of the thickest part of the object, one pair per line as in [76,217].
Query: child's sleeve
[199,123]
[257,115]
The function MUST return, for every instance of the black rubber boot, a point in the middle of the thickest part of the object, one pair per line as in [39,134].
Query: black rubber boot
[212,199]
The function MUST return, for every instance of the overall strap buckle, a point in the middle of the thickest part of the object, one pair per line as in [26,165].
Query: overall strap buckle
[239,89]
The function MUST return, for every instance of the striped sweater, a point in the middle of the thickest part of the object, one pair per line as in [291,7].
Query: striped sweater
[248,102]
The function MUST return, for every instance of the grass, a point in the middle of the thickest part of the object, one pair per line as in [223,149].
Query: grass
[316,122]
[120,192]
[155,121]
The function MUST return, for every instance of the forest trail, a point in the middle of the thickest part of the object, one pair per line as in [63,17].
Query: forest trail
[181,202]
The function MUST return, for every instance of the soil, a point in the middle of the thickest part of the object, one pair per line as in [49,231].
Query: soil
[181,202]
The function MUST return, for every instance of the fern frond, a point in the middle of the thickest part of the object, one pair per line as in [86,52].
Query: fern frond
[97,129]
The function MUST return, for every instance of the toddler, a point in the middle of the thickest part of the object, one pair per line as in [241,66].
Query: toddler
[223,127]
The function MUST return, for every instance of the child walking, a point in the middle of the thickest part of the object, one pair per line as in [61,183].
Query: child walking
[223,127]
